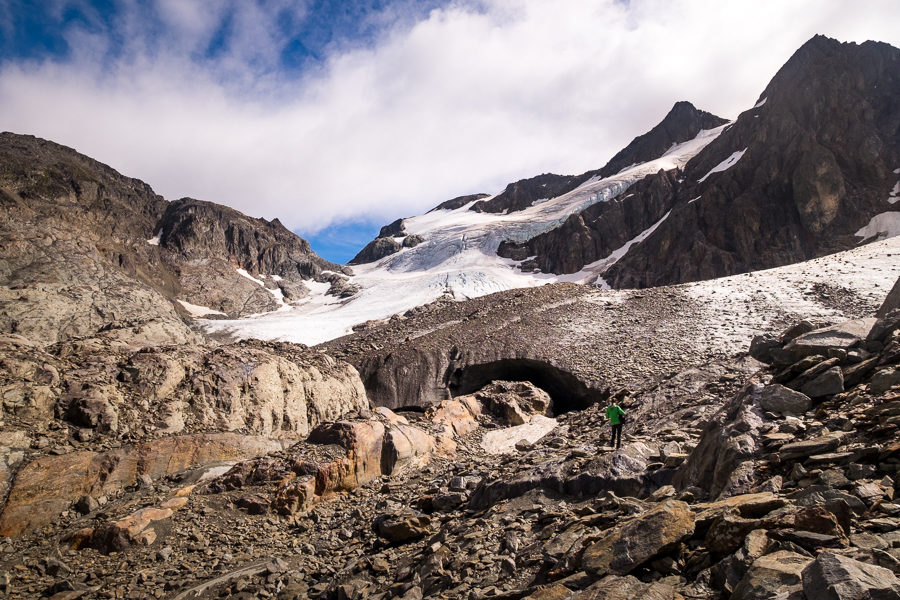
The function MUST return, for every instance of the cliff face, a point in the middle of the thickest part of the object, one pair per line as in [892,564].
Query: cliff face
[817,162]
[793,178]
[86,249]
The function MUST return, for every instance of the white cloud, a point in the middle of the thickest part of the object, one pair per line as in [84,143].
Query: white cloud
[471,97]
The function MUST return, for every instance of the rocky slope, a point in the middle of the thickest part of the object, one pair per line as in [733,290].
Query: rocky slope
[799,175]
[587,343]
[86,249]
[736,480]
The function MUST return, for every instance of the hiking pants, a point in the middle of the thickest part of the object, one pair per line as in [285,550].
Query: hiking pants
[616,436]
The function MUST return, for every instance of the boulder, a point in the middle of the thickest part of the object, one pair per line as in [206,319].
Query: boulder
[884,380]
[640,540]
[891,302]
[405,447]
[817,445]
[835,577]
[363,442]
[779,399]
[514,401]
[776,575]
[761,347]
[844,335]
[829,383]
[402,526]
[613,587]
[727,447]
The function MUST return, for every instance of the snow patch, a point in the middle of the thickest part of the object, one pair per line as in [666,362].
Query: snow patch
[725,164]
[895,193]
[882,226]
[277,277]
[760,103]
[154,241]
[244,273]
[503,441]
[694,200]
[198,311]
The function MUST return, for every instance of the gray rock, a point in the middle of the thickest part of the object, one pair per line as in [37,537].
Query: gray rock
[780,399]
[761,348]
[818,445]
[884,380]
[891,302]
[843,335]
[401,527]
[835,577]
[776,575]
[827,384]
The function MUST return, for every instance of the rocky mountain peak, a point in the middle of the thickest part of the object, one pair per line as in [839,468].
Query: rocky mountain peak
[89,249]
[682,123]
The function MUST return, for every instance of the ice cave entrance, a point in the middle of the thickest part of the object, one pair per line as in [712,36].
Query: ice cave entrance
[567,391]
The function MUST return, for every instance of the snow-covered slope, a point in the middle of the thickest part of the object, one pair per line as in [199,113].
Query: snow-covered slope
[458,258]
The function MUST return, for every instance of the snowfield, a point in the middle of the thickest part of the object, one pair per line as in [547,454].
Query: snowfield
[458,259]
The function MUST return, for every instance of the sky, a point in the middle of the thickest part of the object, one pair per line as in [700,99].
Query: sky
[339,117]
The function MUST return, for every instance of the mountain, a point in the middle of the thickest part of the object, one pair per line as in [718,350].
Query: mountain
[809,170]
[681,124]
[86,249]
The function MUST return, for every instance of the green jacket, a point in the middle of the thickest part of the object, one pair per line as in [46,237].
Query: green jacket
[614,413]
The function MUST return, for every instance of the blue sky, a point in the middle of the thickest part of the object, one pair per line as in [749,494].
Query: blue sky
[339,117]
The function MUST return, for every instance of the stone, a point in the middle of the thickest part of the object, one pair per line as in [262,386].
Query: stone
[401,527]
[835,577]
[885,379]
[829,383]
[891,301]
[551,592]
[817,445]
[774,575]
[780,399]
[514,401]
[640,539]
[761,347]
[86,504]
[448,502]
[844,335]
[49,485]
[613,587]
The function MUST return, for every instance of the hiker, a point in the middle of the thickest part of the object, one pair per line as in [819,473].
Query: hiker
[616,417]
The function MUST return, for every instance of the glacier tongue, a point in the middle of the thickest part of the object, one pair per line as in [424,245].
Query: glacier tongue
[458,259]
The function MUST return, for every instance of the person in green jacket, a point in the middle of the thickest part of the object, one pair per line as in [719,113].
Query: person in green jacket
[616,417]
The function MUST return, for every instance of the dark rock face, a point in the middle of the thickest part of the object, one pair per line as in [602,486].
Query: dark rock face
[683,123]
[392,229]
[525,192]
[817,167]
[87,249]
[818,153]
[600,229]
[207,242]
[386,243]
[458,202]
[376,250]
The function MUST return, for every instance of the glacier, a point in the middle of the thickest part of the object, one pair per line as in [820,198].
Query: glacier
[457,259]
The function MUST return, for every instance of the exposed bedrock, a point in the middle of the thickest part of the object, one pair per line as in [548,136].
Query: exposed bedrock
[601,229]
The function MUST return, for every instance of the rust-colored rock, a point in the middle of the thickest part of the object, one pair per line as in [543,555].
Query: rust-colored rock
[47,486]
